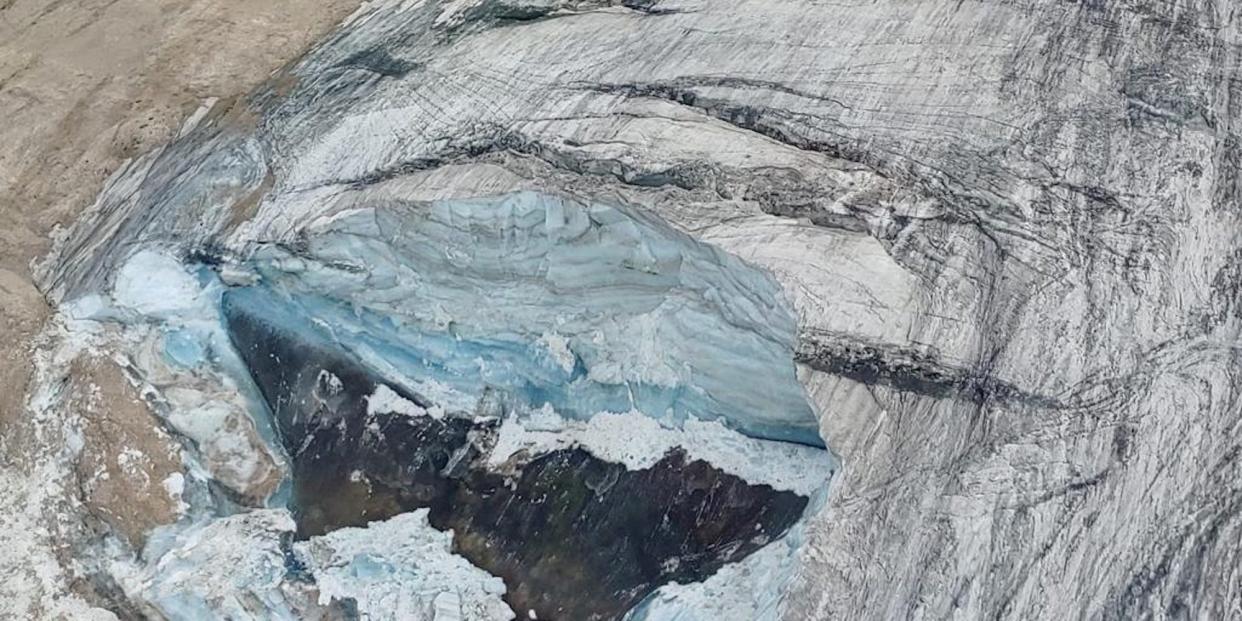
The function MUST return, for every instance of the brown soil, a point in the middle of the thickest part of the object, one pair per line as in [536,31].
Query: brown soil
[85,84]
[123,468]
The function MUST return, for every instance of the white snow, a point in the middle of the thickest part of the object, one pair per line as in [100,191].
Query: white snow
[402,568]
[230,567]
[638,442]
[174,485]
[199,114]
[331,382]
[751,589]
[558,348]
[386,401]
[156,284]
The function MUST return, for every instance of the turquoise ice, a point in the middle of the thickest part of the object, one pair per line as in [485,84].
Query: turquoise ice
[524,300]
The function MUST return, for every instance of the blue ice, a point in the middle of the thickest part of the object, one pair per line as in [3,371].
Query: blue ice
[530,299]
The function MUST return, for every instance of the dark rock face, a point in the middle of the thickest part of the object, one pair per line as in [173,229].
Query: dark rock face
[579,538]
[573,537]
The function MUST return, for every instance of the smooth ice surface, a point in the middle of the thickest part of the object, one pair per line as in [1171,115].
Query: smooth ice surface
[532,300]
[183,348]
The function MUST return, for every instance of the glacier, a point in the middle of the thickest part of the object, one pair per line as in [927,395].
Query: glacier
[1006,234]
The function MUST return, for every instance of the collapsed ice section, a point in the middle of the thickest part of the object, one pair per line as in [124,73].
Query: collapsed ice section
[402,568]
[247,567]
[525,301]
[582,519]
[577,338]
[173,336]
[229,568]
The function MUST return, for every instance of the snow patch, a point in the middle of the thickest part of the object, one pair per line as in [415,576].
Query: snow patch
[750,589]
[331,382]
[638,442]
[402,568]
[231,567]
[558,348]
[386,401]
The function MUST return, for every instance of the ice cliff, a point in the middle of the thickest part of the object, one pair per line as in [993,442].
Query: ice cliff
[544,300]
